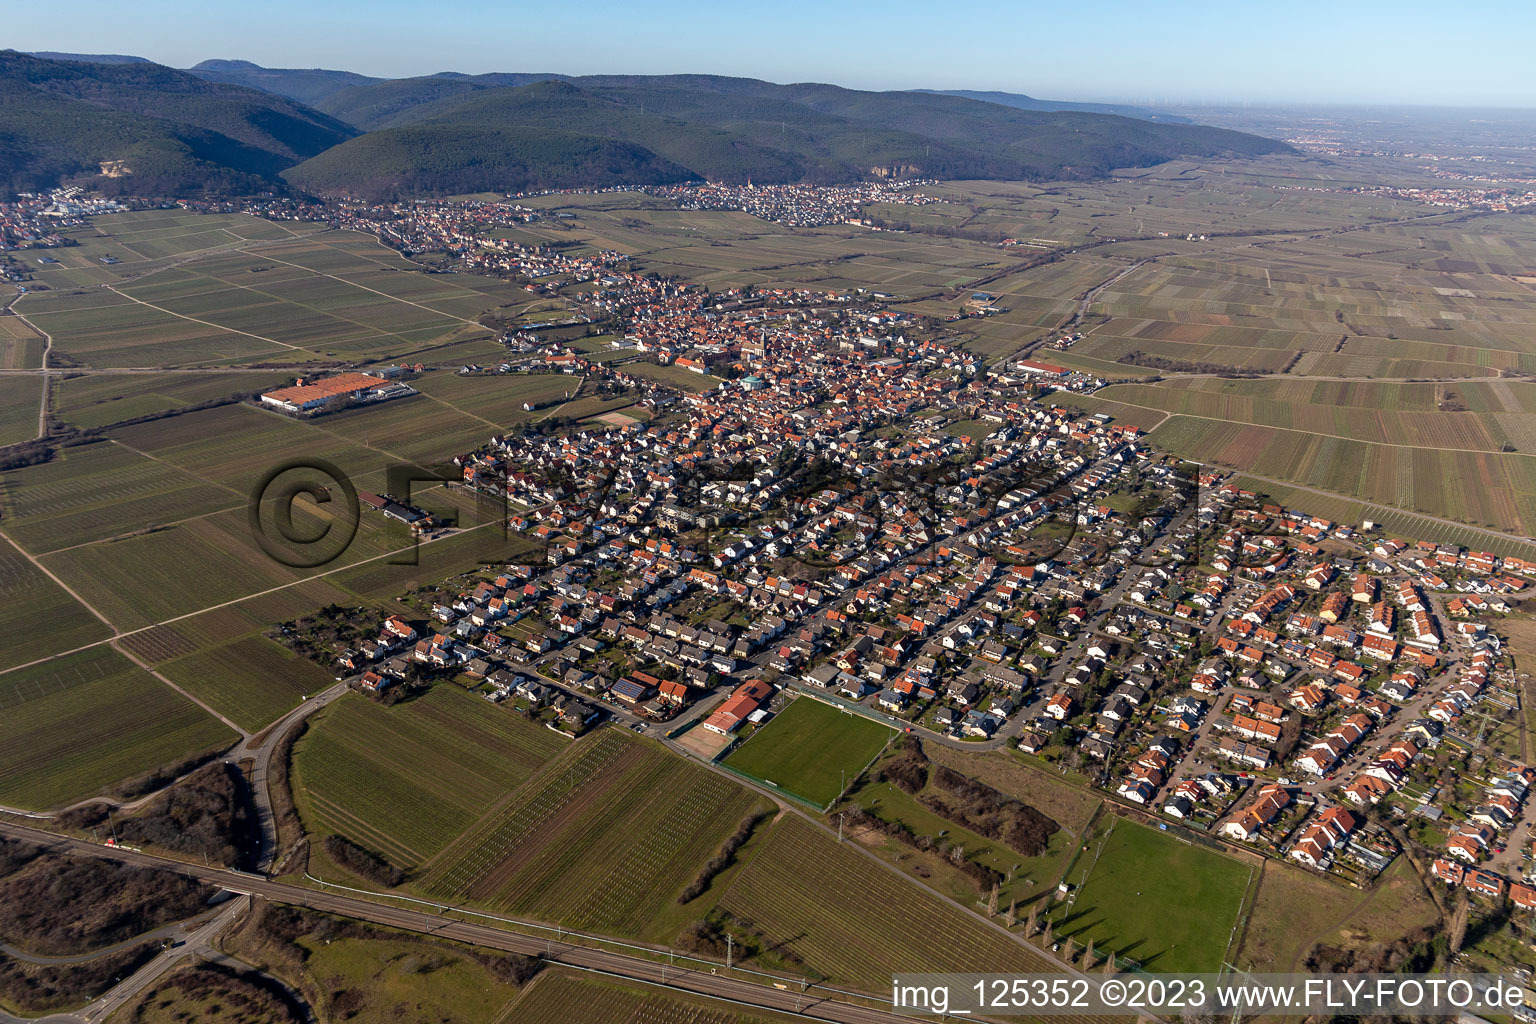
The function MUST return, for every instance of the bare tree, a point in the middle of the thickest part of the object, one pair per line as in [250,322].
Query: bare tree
[1458,930]
[1011,918]
[992,901]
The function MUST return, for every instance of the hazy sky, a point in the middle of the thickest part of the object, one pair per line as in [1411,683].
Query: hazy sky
[1339,51]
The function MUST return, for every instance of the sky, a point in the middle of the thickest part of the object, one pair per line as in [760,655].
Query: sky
[1476,53]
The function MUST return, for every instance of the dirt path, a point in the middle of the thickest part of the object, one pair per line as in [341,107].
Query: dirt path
[43,370]
[363,287]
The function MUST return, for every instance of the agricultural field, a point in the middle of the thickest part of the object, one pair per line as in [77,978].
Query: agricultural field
[93,401]
[311,297]
[379,580]
[674,376]
[21,348]
[41,618]
[149,236]
[220,625]
[1401,416]
[811,749]
[855,921]
[561,997]
[498,400]
[75,725]
[252,681]
[1163,902]
[728,249]
[604,837]
[1489,489]
[406,780]
[152,524]
[1025,878]
[19,399]
[1387,358]
[1391,522]
[168,572]
[96,491]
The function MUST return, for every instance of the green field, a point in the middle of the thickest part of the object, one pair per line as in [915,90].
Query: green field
[1391,522]
[675,376]
[351,970]
[98,491]
[604,837]
[41,618]
[974,430]
[406,780]
[1024,877]
[1165,903]
[252,681]
[19,396]
[274,295]
[811,749]
[1489,489]
[75,725]
[21,347]
[857,921]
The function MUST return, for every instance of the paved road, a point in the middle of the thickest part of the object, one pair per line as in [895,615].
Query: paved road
[194,940]
[720,986]
[258,749]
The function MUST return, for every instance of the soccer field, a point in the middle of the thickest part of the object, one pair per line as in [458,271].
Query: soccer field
[1149,897]
[810,749]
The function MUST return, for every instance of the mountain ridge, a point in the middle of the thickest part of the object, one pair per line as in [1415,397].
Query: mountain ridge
[731,129]
[129,125]
[1024,102]
[142,127]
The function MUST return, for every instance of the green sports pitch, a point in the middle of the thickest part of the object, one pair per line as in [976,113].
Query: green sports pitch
[1163,902]
[810,749]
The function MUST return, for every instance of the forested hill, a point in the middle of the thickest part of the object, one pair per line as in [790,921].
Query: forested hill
[730,129]
[143,128]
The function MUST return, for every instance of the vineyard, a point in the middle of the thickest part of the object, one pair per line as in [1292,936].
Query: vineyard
[603,838]
[253,681]
[40,617]
[77,724]
[856,921]
[1437,429]
[559,998]
[406,780]
[1483,488]
[1391,522]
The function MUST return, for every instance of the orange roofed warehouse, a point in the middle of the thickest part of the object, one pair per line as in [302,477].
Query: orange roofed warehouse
[307,397]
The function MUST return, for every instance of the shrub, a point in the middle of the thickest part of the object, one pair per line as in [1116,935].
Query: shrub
[362,862]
